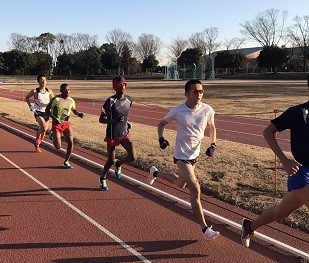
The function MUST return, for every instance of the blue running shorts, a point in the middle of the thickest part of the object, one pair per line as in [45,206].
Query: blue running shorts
[299,180]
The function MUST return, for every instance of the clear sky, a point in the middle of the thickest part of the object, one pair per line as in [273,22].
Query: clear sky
[165,19]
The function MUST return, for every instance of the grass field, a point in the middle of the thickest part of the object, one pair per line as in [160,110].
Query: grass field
[239,174]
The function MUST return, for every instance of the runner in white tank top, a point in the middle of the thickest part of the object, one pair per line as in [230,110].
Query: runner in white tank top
[41,97]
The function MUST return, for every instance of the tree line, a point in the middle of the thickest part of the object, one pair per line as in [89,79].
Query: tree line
[80,54]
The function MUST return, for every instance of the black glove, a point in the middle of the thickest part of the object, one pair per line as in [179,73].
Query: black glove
[80,114]
[163,143]
[129,126]
[120,119]
[211,150]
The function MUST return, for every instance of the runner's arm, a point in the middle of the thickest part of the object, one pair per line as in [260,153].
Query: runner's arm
[289,165]
[29,95]
[51,94]
[161,125]
[80,114]
[212,133]
[48,110]
[105,119]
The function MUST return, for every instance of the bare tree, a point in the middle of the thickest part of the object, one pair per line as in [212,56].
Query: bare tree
[205,41]
[299,37]
[84,41]
[147,45]
[74,43]
[196,40]
[266,28]
[21,42]
[68,43]
[210,39]
[233,43]
[119,39]
[177,46]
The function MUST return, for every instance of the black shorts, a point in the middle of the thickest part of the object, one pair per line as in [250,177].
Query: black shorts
[41,114]
[192,162]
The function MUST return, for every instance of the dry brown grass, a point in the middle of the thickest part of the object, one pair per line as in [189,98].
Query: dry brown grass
[239,174]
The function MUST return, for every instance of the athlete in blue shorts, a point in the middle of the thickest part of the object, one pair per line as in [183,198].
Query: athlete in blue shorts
[296,119]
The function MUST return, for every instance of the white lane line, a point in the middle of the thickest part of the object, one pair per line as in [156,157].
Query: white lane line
[85,216]
[221,219]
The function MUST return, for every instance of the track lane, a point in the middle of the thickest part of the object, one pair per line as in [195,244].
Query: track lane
[232,128]
[143,220]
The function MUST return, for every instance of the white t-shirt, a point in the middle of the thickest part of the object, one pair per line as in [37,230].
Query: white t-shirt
[190,127]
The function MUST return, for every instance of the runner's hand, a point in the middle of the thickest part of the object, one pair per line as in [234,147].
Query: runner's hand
[31,108]
[120,119]
[56,120]
[211,150]
[80,114]
[163,143]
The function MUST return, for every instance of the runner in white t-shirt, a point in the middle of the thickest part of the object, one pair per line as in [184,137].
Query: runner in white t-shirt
[192,118]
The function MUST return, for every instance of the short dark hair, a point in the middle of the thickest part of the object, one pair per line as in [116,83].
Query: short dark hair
[191,82]
[118,79]
[40,76]
[63,85]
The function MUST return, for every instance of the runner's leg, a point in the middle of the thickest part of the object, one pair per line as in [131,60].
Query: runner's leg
[186,172]
[131,154]
[288,204]
[68,134]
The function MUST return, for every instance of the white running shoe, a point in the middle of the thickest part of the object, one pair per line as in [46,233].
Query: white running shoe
[151,178]
[210,234]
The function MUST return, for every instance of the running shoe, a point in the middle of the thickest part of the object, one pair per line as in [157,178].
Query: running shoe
[209,234]
[118,173]
[247,233]
[37,147]
[152,178]
[67,165]
[51,135]
[103,184]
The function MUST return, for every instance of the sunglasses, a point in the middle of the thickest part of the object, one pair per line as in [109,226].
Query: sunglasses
[197,91]
[123,84]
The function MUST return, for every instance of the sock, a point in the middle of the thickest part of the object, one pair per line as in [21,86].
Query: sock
[38,139]
[103,181]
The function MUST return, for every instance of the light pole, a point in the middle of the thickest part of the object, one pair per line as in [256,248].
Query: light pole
[212,57]
[176,75]
[194,70]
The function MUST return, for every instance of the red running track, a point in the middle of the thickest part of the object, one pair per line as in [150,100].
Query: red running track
[231,128]
[50,214]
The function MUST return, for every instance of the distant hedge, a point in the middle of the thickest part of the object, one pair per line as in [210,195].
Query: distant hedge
[258,76]
[268,76]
